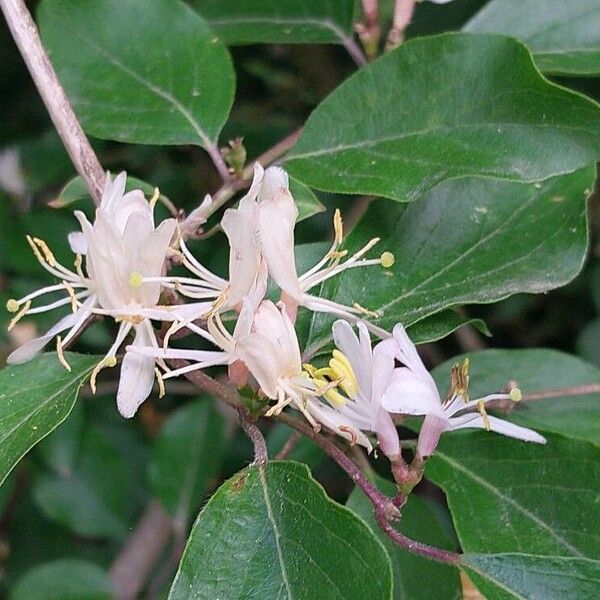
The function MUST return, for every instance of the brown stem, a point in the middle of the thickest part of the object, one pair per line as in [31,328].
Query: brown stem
[27,38]
[369,30]
[139,555]
[576,390]
[217,159]
[256,437]
[289,446]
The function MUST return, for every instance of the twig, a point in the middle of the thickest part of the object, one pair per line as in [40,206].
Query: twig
[27,38]
[233,186]
[256,437]
[354,51]
[369,30]
[218,161]
[139,555]
[289,445]
[576,390]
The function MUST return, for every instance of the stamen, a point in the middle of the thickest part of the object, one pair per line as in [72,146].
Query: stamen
[387,260]
[46,251]
[159,378]
[351,432]
[60,353]
[19,315]
[107,361]
[459,381]
[366,311]
[484,415]
[72,295]
[154,198]
[342,368]
[77,264]
[338,226]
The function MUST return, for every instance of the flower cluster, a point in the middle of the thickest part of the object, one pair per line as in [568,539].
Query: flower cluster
[119,272]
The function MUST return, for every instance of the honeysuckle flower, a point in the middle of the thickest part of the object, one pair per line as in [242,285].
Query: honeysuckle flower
[412,391]
[276,220]
[123,250]
[363,375]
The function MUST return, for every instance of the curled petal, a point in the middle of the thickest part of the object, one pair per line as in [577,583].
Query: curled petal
[475,420]
[410,395]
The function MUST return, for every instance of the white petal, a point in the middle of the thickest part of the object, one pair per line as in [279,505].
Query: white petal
[137,377]
[409,395]
[78,242]
[475,420]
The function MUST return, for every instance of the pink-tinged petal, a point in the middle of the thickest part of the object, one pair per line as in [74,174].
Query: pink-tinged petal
[137,376]
[387,434]
[381,376]
[410,395]
[408,351]
[78,242]
[247,204]
[432,428]
[475,420]
[250,304]
[258,354]
[244,255]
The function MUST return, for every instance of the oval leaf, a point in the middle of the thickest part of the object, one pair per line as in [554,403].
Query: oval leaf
[271,532]
[279,21]
[468,240]
[443,107]
[174,85]
[35,398]
[563,36]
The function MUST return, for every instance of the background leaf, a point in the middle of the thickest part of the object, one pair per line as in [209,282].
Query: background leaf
[468,240]
[420,522]
[576,416]
[69,579]
[35,398]
[307,202]
[185,456]
[174,85]
[279,21]
[443,107]
[563,36]
[275,532]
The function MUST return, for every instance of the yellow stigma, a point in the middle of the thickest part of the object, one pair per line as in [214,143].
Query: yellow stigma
[12,305]
[136,280]
[342,369]
[387,260]
[515,395]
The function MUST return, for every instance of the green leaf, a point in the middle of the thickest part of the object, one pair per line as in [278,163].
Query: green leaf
[419,522]
[279,21]
[90,498]
[468,240]
[174,85]
[35,398]
[588,342]
[75,190]
[307,202]
[576,417]
[304,450]
[563,36]
[442,107]
[274,533]
[508,496]
[186,456]
[512,575]
[440,325]
[68,579]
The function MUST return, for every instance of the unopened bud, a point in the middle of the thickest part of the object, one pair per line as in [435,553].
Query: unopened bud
[235,155]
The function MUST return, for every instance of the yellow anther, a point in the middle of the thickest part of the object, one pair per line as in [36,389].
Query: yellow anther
[61,355]
[136,279]
[71,292]
[107,361]
[515,395]
[161,383]
[310,370]
[334,397]
[154,198]
[218,303]
[459,381]
[135,319]
[338,227]
[341,367]
[19,315]
[337,254]
[78,262]
[12,305]
[484,415]
[366,311]
[387,260]
[46,251]
[35,249]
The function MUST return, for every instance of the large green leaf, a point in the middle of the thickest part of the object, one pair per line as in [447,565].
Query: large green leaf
[185,456]
[468,240]
[307,202]
[35,398]
[508,496]
[68,579]
[279,21]
[563,36]
[418,522]
[444,107]
[577,417]
[511,575]
[271,532]
[148,73]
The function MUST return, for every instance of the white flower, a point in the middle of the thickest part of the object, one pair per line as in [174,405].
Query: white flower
[122,250]
[277,214]
[412,391]
[363,375]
